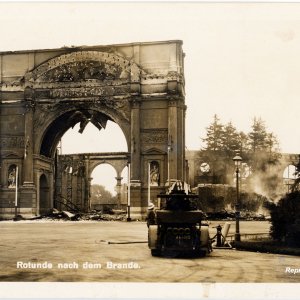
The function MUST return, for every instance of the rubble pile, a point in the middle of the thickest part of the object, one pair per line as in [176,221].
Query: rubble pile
[94,215]
[230,215]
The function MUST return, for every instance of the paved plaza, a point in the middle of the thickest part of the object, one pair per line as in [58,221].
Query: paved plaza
[117,252]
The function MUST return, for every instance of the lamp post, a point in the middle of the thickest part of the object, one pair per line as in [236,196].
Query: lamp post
[169,149]
[128,194]
[237,161]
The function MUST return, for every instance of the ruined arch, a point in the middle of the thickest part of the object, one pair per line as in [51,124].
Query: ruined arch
[139,86]
[118,164]
[77,82]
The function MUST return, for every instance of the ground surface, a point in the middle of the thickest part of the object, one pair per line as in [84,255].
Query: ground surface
[76,243]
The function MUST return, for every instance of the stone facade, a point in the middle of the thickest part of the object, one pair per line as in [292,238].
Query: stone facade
[43,93]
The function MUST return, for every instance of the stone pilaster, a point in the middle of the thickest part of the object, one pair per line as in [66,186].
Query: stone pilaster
[119,184]
[28,148]
[172,138]
[135,141]
[87,183]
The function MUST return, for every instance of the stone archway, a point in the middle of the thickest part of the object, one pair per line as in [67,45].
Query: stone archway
[74,176]
[139,86]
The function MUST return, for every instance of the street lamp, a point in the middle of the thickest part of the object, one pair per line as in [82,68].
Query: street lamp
[237,161]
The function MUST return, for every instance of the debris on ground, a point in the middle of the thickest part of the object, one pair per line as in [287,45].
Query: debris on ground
[94,215]
[230,215]
[18,218]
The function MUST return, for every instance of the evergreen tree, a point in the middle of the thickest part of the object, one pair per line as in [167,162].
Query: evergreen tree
[213,151]
[258,136]
[263,146]
[214,135]
[259,149]
[231,140]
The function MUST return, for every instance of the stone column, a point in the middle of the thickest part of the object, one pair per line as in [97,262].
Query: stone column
[185,163]
[135,140]
[181,141]
[173,138]
[119,184]
[135,151]
[89,193]
[87,183]
[28,147]
[38,190]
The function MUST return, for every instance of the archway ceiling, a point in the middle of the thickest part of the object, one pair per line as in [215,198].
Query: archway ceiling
[67,121]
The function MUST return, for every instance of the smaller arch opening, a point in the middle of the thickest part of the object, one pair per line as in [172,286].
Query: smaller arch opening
[44,194]
[104,188]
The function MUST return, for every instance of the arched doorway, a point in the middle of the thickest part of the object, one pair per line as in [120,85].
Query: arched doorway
[44,195]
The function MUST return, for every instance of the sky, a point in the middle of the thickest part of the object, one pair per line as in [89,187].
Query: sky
[242,59]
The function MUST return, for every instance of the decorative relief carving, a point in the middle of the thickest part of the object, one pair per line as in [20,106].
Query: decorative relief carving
[29,106]
[12,142]
[174,76]
[42,112]
[85,65]
[84,70]
[154,76]
[155,136]
[88,92]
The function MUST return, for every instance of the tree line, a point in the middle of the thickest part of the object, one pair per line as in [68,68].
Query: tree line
[258,148]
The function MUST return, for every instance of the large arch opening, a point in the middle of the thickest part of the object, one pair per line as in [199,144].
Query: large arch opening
[79,149]
[82,123]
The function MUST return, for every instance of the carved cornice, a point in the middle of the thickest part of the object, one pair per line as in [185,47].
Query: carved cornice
[175,76]
[176,101]
[14,86]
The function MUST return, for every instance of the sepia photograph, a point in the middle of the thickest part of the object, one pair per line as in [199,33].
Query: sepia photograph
[149,150]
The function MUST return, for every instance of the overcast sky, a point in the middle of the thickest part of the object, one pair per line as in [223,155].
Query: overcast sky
[242,59]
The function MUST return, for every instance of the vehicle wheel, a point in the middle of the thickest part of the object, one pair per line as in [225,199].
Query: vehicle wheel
[202,253]
[155,252]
